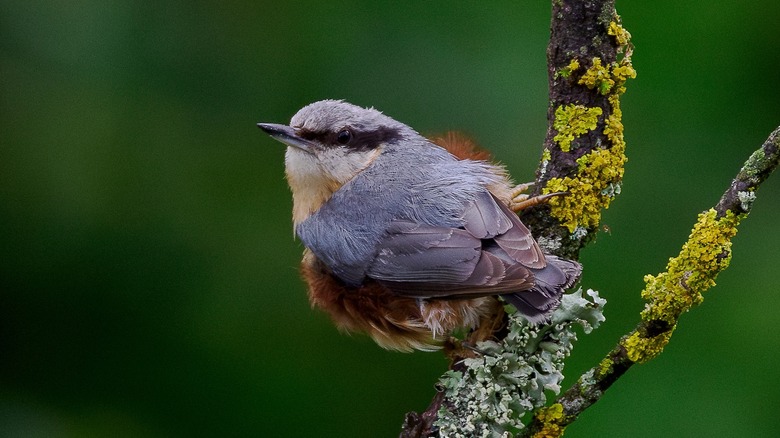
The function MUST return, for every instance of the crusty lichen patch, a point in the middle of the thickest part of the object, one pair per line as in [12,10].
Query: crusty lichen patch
[600,172]
[608,79]
[567,71]
[622,36]
[588,193]
[680,287]
[597,181]
[605,367]
[640,348]
[704,255]
[571,121]
[550,418]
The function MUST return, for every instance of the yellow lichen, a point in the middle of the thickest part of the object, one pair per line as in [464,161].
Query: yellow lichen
[567,71]
[573,65]
[550,418]
[599,173]
[610,78]
[640,348]
[605,366]
[589,190]
[571,121]
[621,72]
[614,126]
[546,155]
[680,287]
[597,76]
[622,36]
[693,271]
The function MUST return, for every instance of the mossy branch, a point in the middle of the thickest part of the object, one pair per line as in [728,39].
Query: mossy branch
[669,294]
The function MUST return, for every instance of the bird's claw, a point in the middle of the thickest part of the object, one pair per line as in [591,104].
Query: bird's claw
[521,201]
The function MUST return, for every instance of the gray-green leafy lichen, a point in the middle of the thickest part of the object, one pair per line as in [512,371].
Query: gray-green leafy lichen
[746,200]
[579,233]
[549,245]
[495,391]
[612,189]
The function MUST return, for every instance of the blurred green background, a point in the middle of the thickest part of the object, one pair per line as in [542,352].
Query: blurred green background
[148,275]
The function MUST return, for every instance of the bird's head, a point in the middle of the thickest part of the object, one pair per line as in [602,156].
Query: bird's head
[328,143]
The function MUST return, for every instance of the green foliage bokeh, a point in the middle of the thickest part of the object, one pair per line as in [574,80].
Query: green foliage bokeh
[148,272]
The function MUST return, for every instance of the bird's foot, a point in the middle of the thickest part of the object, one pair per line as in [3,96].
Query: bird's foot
[456,350]
[521,201]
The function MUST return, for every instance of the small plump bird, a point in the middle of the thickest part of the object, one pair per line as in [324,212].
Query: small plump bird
[406,241]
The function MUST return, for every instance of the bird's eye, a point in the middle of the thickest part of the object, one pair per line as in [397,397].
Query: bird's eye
[344,136]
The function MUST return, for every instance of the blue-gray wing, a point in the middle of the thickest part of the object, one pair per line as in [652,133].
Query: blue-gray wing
[426,261]
[488,218]
[494,253]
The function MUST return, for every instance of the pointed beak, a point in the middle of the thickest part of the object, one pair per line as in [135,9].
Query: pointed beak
[286,135]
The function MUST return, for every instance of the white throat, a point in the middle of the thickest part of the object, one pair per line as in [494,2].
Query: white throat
[311,187]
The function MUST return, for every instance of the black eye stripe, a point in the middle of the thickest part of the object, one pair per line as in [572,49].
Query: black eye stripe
[309,135]
[367,140]
[358,141]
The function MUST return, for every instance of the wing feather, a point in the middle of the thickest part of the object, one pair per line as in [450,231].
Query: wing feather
[415,252]
[484,219]
[493,254]
[426,261]
[518,242]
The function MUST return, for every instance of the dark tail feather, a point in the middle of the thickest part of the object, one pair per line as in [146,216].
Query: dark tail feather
[537,304]
[559,274]
[533,314]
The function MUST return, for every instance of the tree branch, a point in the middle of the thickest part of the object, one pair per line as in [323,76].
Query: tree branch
[669,294]
[588,62]
[739,196]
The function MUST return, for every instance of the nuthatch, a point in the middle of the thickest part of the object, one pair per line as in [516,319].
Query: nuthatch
[404,240]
